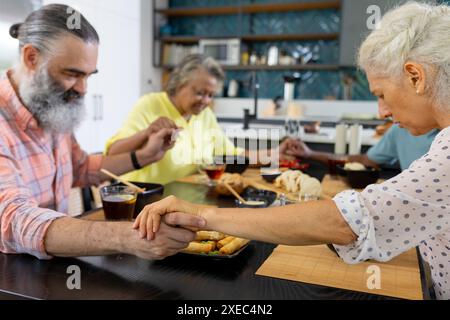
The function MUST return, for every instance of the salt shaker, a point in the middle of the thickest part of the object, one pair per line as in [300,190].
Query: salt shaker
[282,199]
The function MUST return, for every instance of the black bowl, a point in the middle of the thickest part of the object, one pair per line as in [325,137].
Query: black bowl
[250,194]
[359,179]
[153,193]
[270,177]
[235,164]
[341,171]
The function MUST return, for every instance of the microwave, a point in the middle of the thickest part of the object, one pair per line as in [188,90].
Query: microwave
[224,51]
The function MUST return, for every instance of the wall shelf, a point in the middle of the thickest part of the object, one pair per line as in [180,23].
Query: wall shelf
[251,8]
[254,37]
[283,67]
[316,67]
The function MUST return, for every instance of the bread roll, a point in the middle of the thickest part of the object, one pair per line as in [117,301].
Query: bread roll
[311,187]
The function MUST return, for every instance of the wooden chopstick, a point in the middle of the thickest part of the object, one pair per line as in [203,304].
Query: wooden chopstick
[125,182]
[234,193]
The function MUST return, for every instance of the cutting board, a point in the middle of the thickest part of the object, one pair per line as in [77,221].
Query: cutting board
[399,278]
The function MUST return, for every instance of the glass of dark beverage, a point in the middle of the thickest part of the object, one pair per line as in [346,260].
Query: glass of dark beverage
[333,162]
[213,170]
[118,202]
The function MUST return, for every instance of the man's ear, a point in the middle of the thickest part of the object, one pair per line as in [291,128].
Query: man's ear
[30,57]
[416,76]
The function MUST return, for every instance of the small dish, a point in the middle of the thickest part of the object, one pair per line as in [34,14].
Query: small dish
[270,176]
[252,204]
[250,194]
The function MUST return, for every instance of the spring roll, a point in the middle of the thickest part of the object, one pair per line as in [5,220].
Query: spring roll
[199,247]
[224,241]
[209,235]
[233,246]
[213,244]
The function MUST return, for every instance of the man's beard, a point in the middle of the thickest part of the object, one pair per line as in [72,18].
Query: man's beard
[55,109]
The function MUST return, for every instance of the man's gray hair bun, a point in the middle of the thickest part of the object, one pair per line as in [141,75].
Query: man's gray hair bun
[14,30]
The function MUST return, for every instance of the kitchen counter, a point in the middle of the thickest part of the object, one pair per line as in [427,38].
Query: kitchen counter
[259,131]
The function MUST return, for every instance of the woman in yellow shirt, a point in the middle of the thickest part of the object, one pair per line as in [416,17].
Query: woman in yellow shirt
[184,104]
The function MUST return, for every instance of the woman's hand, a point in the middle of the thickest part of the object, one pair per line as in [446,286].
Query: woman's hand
[159,124]
[159,140]
[157,145]
[149,219]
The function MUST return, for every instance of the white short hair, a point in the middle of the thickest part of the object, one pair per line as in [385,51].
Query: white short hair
[416,32]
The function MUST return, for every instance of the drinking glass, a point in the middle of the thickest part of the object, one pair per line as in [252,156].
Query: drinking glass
[118,202]
[213,171]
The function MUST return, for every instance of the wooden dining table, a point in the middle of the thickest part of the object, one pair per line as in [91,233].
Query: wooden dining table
[180,276]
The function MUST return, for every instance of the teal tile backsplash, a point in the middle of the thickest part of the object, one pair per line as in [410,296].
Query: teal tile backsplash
[312,84]
[312,21]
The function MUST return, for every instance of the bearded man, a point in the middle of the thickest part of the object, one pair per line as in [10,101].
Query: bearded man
[41,102]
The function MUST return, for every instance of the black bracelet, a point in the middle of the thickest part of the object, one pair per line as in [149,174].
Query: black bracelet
[135,161]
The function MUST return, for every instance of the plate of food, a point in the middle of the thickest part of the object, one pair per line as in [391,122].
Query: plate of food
[216,245]
[294,165]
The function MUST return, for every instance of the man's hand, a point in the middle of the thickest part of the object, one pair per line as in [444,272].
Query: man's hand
[69,237]
[294,148]
[168,241]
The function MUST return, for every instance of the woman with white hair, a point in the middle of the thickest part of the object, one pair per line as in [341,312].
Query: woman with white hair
[407,61]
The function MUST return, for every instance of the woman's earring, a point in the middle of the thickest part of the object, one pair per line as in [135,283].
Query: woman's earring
[417,91]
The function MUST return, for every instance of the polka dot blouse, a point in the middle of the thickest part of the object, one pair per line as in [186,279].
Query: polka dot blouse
[409,210]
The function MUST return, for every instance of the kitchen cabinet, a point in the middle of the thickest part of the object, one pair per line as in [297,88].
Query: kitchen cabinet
[115,89]
[258,26]
[247,39]
[308,31]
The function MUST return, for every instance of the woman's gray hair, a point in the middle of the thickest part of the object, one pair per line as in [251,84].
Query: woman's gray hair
[182,74]
[45,25]
[415,32]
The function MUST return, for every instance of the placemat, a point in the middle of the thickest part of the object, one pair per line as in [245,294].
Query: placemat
[399,278]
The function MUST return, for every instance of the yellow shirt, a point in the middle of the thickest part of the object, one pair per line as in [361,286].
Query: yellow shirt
[200,139]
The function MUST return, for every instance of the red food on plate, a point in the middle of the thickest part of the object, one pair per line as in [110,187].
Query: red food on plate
[294,165]
[300,166]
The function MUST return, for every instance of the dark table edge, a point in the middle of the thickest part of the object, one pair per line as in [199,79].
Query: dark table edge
[15,296]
